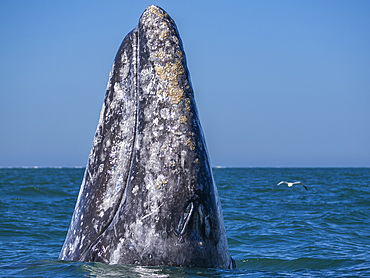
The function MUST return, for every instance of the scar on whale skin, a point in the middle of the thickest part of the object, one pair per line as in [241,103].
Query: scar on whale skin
[148,196]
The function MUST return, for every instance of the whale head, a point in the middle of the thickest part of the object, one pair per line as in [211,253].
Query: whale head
[148,196]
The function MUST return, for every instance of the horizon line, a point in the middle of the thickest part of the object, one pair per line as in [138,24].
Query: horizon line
[213,167]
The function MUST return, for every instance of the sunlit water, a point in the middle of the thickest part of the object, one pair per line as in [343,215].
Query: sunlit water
[273,231]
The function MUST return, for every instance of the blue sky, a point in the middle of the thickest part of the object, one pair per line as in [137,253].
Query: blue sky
[277,83]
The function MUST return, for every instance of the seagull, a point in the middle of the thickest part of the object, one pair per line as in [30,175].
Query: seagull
[290,184]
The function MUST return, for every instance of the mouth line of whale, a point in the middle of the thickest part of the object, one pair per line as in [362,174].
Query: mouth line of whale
[120,201]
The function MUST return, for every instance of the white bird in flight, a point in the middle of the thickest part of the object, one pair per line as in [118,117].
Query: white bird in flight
[290,184]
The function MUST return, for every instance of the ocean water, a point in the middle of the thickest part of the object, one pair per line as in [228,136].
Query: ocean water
[273,231]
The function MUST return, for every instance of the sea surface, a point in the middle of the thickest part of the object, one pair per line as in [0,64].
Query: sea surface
[273,231]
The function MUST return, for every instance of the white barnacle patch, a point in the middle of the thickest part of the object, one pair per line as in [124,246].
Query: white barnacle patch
[165,113]
[154,163]
[101,168]
[174,128]
[135,189]
[97,140]
[145,75]
[108,143]
[96,226]
[150,114]
[108,200]
[152,238]
[75,243]
[136,228]
[173,114]
[119,183]
[160,181]
[110,76]
[116,255]
[82,241]
[149,181]
[126,66]
[118,90]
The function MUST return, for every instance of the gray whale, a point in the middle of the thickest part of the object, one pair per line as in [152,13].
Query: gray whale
[148,196]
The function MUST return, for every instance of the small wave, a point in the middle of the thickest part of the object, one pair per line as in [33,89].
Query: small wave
[42,167]
[294,264]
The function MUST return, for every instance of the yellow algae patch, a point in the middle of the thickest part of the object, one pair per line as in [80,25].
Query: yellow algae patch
[171,73]
[175,93]
[163,35]
[176,40]
[187,104]
[154,10]
[159,184]
[190,144]
[161,55]
[160,72]
[179,53]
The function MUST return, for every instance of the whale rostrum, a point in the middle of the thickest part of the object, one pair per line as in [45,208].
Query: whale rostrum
[148,196]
